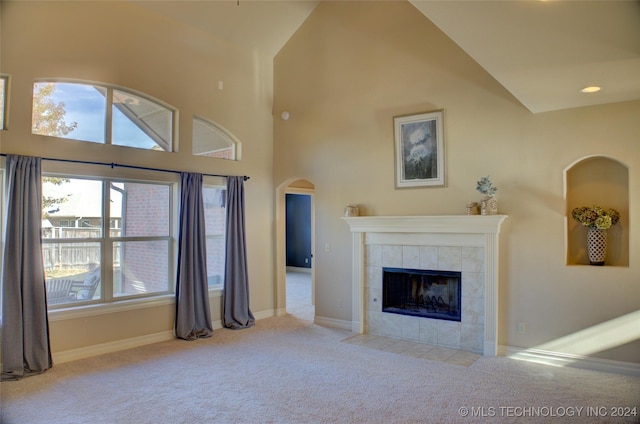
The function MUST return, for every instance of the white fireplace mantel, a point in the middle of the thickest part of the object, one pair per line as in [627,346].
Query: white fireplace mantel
[455,224]
[454,230]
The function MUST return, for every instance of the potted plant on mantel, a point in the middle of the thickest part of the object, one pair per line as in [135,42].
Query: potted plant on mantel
[597,220]
[488,204]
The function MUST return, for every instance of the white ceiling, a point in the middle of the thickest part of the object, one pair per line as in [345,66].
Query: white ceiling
[260,25]
[543,52]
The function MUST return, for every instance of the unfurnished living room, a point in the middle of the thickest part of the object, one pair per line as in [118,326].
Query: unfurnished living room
[322,211]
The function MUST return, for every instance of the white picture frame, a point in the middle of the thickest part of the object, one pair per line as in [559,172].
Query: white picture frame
[419,150]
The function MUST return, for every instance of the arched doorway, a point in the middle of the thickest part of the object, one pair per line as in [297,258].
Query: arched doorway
[295,236]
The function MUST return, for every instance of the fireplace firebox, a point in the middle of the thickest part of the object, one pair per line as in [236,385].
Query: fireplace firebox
[423,293]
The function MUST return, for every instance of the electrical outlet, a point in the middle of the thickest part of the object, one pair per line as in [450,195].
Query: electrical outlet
[339,303]
[522,327]
[327,247]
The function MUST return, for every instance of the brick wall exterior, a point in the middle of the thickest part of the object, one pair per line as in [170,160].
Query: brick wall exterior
[144,266]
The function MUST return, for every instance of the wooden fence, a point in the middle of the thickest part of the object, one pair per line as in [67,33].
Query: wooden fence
[63,255]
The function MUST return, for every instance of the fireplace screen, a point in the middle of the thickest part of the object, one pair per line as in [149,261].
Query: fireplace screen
[423,293]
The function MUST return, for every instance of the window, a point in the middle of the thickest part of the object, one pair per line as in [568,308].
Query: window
[210,139]
[71,253]
[142,251]
[101,114]
[139,122]
[4,88]
[214,199]
[88,262]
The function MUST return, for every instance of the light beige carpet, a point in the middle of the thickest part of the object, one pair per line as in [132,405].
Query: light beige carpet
[288,370]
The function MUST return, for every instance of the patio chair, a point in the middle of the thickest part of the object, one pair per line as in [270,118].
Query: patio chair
[59,291]
[86,289]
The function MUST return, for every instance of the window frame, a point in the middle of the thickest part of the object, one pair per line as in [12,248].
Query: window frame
[129,302]
[108,124]
[209,183]
[228,137]
[3,174]
[107,242]
[6,80]
[92,171]
[111,241]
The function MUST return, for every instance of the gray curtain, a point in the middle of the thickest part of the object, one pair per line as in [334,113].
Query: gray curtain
[236,313]
[25,325]
[193,318]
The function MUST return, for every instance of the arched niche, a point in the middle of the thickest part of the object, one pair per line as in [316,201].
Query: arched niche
[604,181]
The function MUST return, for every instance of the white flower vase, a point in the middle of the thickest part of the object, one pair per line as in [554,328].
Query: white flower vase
[597,246]
[489,206]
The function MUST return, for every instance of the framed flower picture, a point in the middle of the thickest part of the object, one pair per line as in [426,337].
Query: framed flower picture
[419,147]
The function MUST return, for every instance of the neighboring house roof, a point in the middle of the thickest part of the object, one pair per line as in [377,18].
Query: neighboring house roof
[84,199]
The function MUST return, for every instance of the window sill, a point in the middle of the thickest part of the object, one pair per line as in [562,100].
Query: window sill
[120,306]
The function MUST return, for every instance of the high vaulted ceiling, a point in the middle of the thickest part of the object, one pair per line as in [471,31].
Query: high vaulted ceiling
[543,52]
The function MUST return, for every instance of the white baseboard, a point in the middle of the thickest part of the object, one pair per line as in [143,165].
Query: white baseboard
[560,359]
[298,269]
[264,314]
[124,344]
[332,322]
[100,349]
[557,359]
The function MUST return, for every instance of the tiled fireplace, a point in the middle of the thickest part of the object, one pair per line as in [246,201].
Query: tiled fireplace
[420,293]
[428,245]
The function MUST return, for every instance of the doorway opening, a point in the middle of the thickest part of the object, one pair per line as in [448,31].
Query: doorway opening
[299,295]
[295,285]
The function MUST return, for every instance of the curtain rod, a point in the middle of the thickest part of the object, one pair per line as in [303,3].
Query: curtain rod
[113,165]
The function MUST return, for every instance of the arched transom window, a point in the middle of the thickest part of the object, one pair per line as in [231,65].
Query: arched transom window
[212,140]
[102,114]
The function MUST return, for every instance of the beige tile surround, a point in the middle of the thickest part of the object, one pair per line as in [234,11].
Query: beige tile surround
[466,334]
[442,242]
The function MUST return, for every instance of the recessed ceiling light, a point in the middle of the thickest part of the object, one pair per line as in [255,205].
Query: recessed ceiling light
[591,89]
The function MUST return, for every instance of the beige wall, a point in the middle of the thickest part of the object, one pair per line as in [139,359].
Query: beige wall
[120,43]
[344,75]
[352,67]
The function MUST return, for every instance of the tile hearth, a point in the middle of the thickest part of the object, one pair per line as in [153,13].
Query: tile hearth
[414,349]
